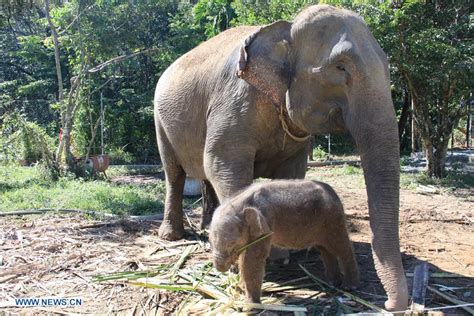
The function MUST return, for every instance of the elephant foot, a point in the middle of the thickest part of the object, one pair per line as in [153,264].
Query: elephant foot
[334,278]
[167,231]
[350,283]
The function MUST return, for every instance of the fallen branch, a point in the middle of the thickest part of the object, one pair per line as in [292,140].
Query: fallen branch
[272,307]
[59,210]
[153,217]
[333,163]
[427,189]
[462,220]
[447,220]
[441,275]
[9,278]
[288,287]
[464,216]
[347,294]
[451,299]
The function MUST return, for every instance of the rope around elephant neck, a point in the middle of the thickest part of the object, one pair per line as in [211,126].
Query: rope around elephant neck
[287,130]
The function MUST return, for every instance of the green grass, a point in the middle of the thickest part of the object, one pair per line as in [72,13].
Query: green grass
[453,180]
[114,171]
[353,176]
[15,177]
[337,175]
[26,188]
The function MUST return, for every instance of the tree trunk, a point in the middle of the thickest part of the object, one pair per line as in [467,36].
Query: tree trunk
[57,59]
[67,122]
[413,127]
[436,148]
[404,115]
[436,162]
[70,107]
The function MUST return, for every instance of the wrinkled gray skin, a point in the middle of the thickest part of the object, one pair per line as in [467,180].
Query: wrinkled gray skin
[300,214]
[328,72]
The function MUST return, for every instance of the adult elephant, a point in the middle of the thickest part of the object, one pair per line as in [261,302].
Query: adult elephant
[241,105]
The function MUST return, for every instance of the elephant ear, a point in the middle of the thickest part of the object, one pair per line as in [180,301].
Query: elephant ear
[256,222]
[264,62]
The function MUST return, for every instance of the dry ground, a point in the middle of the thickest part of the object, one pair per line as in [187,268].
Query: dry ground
[58,255]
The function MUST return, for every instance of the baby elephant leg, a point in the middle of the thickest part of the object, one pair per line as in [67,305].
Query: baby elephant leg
[342,248]
[252,269]
[331,266]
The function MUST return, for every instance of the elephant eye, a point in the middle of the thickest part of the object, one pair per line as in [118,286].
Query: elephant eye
[341,67]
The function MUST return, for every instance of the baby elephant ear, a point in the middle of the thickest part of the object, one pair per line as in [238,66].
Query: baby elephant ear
[256,222]
[264,60]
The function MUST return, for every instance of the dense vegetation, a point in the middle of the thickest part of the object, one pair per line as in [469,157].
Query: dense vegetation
[61,61]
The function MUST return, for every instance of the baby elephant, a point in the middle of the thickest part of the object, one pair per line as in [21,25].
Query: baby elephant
[301,214]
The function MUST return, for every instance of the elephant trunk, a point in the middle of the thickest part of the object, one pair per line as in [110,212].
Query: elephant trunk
[376,138]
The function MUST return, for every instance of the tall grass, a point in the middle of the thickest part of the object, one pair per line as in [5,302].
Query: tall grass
[26,188]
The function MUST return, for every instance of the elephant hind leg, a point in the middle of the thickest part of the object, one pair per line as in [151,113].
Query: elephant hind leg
[209,203]
[172,227]
[340,246]
[331,266]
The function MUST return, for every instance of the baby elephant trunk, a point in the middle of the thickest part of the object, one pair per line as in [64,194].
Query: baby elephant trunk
[222,263]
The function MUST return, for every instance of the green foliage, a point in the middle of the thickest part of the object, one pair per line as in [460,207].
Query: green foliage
[185,32]
[430,50]
[319,153]
[213,16]
[23,141]
[26,75]
[254,12]
[118,156]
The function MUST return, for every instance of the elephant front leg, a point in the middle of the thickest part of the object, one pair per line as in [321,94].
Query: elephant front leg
[252,270]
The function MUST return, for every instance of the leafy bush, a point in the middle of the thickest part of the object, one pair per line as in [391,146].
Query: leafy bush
[118,156]
[319,153]
[23,141]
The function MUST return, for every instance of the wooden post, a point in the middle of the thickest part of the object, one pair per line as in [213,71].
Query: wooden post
[420,281]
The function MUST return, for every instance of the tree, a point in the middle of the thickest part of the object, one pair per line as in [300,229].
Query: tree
[27,77]
[428,45]
[255,12]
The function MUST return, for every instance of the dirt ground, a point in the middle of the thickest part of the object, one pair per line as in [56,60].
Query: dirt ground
[57,255]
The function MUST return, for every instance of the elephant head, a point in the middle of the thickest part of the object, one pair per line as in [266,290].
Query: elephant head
[331,75]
